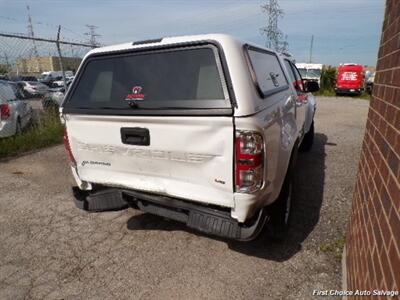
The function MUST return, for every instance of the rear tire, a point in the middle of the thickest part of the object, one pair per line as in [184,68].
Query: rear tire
[308,139]
[280,210]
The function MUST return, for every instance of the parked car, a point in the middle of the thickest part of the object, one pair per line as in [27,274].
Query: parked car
[369,85]
[54,97]
[310,71]
[15,114]
[349,79]
[34,88]
[60,83]
[19,90]
[49,77]
[57,83]
[201,129]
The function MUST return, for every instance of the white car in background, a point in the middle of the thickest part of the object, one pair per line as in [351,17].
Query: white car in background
[309,71]
[54,98]
[369,83]
[57,84]
[15,114]
[60,83]
[34,88]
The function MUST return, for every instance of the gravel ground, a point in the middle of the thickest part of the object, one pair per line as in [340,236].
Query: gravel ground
[51,250]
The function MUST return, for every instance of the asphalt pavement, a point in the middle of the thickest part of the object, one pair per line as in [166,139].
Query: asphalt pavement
[51,250]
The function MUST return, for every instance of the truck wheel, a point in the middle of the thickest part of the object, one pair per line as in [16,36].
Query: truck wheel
[308,139]
[280,210]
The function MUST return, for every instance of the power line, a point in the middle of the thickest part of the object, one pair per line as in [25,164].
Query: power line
[31,32]
[274,35]
[92,35]
[42,23]
[24,37]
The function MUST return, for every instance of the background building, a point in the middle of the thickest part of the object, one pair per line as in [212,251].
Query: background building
[37,65]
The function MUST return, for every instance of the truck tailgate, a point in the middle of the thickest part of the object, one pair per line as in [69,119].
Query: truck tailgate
[186,157]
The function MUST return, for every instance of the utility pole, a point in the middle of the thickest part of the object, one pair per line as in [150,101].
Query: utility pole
[60,58]
[311,48]
[272,31]
[92,35]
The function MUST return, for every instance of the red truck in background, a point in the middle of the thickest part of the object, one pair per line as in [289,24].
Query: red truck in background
[349,79]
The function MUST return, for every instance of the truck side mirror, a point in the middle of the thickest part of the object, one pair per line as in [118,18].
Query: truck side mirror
[311,86]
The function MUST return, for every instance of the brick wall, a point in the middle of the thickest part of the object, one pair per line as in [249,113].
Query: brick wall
[373,236]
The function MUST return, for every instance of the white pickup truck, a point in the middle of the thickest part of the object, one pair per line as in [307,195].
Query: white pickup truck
[200,129]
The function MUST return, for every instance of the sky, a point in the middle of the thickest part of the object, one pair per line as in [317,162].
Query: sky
[343,30]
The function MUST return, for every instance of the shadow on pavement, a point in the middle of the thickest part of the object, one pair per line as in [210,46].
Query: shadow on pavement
[307,202]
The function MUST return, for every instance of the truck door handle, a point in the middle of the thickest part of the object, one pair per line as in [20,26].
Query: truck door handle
[135,136]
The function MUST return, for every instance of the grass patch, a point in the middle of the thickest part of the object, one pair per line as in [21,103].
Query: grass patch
[325,93]
[48,131]
[327,84]
[365,96]
[331,93]
[335,248]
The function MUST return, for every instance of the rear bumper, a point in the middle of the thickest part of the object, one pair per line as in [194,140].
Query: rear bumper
[354,91]
[205,218]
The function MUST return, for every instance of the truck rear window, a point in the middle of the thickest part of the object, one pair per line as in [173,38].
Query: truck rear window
[189,78]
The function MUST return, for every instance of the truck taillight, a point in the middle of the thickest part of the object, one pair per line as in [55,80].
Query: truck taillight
[68,147]
[249,161]
[4,111]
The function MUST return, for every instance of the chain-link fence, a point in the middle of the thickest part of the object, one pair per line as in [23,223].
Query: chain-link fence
[34,76]
[39,68]
[21,55]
